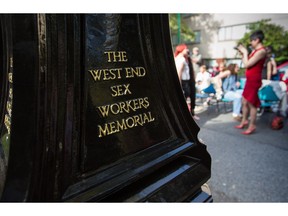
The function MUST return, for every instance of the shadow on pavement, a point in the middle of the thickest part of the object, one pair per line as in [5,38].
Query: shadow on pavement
[243,165]
[218,119]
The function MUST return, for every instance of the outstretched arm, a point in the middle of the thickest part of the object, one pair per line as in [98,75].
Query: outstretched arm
[223,74]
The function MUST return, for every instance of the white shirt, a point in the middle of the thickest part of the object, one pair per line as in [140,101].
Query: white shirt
[204,78]
[185,73]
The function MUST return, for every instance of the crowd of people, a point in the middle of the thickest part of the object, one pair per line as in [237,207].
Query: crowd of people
[259,65]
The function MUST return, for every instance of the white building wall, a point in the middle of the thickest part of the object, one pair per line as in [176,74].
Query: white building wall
[209,24]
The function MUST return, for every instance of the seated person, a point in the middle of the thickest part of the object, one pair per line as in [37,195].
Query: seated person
[279,89]
[269,71]
[202,79]
[203,82]
[217,80]
[284,78]
[231,90]
[228,80]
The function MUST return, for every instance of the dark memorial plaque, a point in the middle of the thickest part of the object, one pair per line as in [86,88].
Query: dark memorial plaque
[98,112]
[122,115]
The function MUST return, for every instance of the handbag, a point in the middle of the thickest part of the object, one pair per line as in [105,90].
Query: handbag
[277,122]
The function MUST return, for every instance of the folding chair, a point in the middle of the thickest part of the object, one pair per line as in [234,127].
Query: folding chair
[225,100]
[206,93]
[268,98]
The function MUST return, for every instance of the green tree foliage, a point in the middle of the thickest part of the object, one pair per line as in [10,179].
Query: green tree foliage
[275,36]
[187,35]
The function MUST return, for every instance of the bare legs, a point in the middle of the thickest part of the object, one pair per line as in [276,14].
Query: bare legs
[245,111]
[248,110]
[217,84]
[253,116]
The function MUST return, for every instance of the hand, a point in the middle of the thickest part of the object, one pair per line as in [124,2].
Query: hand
[238,84]
[242,49]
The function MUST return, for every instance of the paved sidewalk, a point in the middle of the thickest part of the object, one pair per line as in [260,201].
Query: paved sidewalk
[216,118]
[245,168]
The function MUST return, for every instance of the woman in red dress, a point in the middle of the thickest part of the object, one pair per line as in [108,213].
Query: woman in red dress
[254,64]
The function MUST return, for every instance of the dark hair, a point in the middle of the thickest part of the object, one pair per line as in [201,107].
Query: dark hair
[231,68]
[191,70]
[257,35]
[269,49]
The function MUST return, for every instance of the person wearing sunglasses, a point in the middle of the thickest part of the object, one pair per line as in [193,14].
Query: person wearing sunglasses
[253,63]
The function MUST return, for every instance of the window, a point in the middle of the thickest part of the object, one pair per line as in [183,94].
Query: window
[231,32]
[197,37]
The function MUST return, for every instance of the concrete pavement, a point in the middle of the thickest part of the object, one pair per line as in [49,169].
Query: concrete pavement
[245,168]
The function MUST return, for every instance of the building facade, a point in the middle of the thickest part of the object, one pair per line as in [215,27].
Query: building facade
[217,34]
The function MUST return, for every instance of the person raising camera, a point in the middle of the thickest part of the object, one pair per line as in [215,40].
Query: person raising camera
[253,63]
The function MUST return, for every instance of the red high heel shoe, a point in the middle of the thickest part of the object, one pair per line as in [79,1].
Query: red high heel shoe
[241,126]
[248,131]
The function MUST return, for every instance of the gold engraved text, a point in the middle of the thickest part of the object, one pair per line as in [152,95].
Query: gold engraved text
[124,106]
[106,74]
[10,77]
[116,56]
[124,124]
[7,122]
[135,72]
[113,111]
[120,90]
[11,93]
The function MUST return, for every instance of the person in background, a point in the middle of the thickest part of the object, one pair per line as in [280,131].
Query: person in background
[270,67]
[216,70]
[196,58]
[217,80]
[211,71]
[192,88]
[285,78]
[254,65]
[231,90]
[226,85]
[186,75]
[202,79]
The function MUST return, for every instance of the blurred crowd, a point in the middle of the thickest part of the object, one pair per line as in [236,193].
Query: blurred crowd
[223,83]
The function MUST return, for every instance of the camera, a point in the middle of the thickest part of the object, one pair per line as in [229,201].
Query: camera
[236,47]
